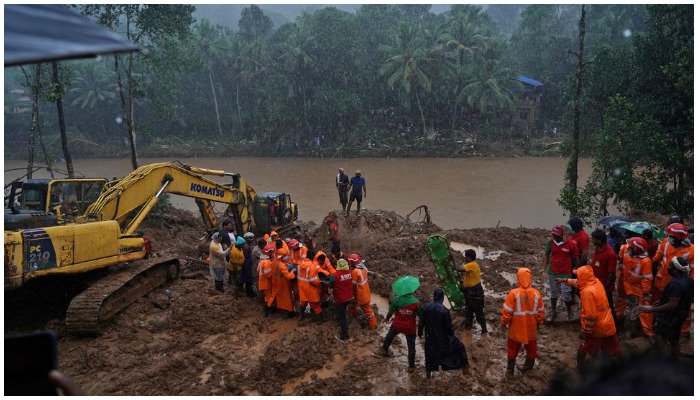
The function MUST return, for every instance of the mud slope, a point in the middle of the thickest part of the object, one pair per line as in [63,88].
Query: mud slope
[186,339]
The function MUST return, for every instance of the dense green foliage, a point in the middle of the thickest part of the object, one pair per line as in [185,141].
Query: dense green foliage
[390,76]
[642,138]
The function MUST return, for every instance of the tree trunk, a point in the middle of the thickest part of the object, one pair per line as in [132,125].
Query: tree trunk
[35,120]
[238,106]
[420,108]
[62,120]
[47,158]
[572,169]
[216,104]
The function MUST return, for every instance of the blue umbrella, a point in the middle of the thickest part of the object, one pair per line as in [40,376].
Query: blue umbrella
[639,227]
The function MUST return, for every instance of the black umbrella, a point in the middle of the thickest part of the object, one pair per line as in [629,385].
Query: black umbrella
[45,32]
[613,220]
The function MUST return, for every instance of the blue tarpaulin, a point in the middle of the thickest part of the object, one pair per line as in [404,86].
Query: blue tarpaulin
[529,81]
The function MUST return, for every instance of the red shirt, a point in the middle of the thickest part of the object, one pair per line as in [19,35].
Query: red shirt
[561,256]
[405,319]
[604,264]
[582,241]
[333,231]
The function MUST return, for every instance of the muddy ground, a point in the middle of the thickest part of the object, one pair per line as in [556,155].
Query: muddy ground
[187,339]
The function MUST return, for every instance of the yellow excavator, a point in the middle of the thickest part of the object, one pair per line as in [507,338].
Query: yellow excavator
[106,234]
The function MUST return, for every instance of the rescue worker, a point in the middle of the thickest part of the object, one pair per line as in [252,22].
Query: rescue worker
[677,245]
[217,261]
[235,263]
[581,238]
[298,251]
[246,276]
[333,235]
[598,332]
[473,292]
[442,348]
[563,254]
[267,257]
[673,307]
[361,290]
[522,314]
[275,238]
[405,309]
[325,270]
[257,253]
[604,264]
[309,289]
[341,282]
[281,284]
[636,280]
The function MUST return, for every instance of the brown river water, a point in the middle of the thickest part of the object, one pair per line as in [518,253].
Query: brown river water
[459,192]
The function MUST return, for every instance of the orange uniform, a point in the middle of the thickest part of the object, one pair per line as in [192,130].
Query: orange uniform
[297,255]
[326,270]
[309,286]
[636,279]
[596,316]
[265,276]
[281,286]
[665,253]
[362,294]
[523,310]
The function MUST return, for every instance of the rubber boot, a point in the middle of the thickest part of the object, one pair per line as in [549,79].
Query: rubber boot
[249,290]
[553,316]
[219,285]
[527,365]
[267,311]
[484,330]
[569,312]
[510,369]
[318,318]
[302,315]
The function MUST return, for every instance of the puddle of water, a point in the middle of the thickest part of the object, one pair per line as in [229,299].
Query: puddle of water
[381,302]
[511,277]
[460,247]
[481,254]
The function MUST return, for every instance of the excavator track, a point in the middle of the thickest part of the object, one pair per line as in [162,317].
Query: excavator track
[104,299]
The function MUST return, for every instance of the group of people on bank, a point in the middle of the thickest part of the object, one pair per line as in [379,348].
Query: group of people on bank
[645,281]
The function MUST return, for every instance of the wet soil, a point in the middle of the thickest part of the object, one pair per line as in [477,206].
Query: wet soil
[187,339]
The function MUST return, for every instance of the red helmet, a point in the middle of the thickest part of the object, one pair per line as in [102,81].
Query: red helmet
[294,243]
[329,220]
[354,259]
[558,230]
[638,245]
[677,230]
[269,249]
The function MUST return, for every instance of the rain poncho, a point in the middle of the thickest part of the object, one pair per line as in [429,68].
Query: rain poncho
[523,310]
[442,348]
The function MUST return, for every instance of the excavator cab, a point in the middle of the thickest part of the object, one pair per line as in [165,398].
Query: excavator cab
[274,211]
[47,202]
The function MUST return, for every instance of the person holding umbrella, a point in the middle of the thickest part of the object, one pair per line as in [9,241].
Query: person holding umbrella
[405,308]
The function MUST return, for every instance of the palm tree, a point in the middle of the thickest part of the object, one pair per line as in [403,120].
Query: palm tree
[210,44]
[93,83]
[409,64]
[486,87]
[464,36]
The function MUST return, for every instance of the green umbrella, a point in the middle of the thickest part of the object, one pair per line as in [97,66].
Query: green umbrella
[640,226]
[405,285]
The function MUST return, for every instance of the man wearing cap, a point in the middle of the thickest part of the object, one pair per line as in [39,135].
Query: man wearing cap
[342,183]
[341,282]
[560,259]
[673,307]
[357,189]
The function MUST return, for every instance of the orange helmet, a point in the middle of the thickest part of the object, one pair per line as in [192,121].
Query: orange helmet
[269,249]
[294,243]
[638,245]
[354,259]
[677,230]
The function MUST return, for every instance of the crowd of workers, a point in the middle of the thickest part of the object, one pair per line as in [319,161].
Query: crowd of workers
[639,280]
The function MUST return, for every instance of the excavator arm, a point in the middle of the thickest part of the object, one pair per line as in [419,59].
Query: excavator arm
[131,199]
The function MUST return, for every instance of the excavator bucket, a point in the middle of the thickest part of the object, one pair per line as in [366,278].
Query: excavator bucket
[439,251]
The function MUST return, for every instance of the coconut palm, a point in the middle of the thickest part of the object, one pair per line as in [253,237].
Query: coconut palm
[409,64]
[488,77]
[93,83]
